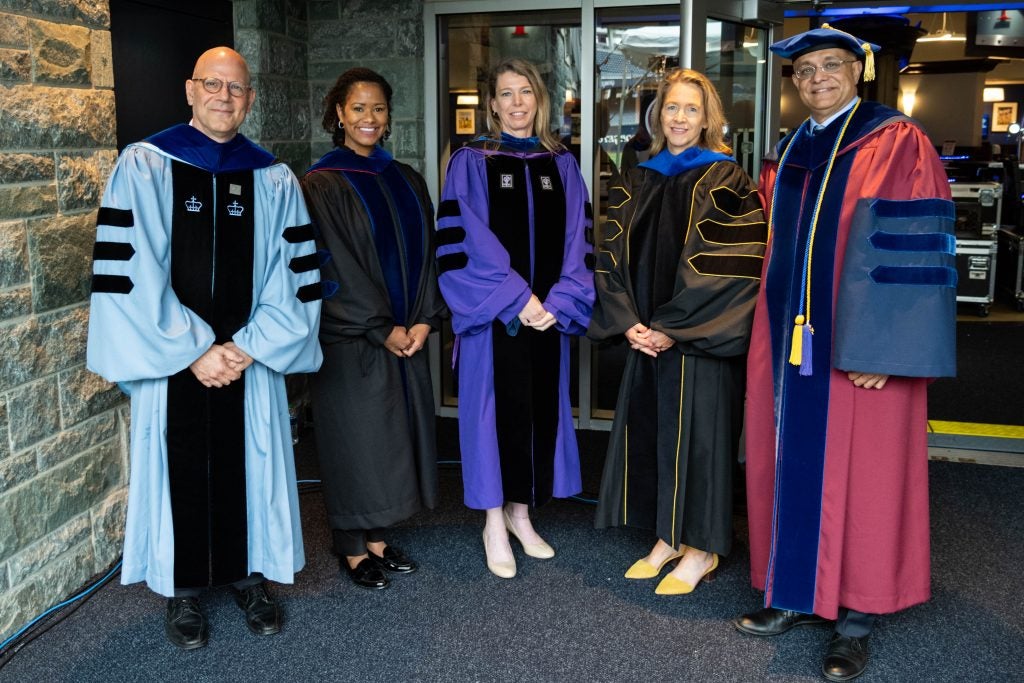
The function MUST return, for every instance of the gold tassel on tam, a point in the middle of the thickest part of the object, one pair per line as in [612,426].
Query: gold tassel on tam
[869,62]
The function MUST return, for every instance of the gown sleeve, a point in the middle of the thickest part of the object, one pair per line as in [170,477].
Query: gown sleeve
[571,298]
[432,310]
[282,332]
[138,329]
[360,307]
[475,274]
[719,271]
[614,310]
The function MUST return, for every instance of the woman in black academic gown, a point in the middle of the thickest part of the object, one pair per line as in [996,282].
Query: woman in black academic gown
[678,270]
[372,399]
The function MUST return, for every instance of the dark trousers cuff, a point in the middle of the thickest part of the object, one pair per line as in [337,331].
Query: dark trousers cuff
[854,624]
[352,542]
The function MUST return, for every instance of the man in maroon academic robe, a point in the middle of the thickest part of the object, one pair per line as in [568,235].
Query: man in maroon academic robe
[856,310]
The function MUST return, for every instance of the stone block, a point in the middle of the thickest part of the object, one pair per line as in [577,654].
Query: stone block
[336,41]
[61,53]
[406,79]
[33,199]
[41,345]
[13,30]
[102,59]
[59,580]
[15,303]
[271,113]
[408,38]
[13,253]
[325,73]
[60,258]
[81,178]
[17,469]
[5,442]
[15,65]
[108,528]
[265,15]
[27,513]
[95,13]
[382,10]
[33,412]
[295,9]
[297,29]
[300,121]
[406,139]
[287,57]
[320,148]
[34,558]
[78,439]
[26,167]
[323,10]
[252,45]
[84,394]
[50,118]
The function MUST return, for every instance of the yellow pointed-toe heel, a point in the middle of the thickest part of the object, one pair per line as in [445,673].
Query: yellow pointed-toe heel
[670,585]
[642,569]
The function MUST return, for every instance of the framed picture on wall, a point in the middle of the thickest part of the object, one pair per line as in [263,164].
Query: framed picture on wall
[1003,114]
[465,121]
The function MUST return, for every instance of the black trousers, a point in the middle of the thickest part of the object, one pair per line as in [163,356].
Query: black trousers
[241,584]
[854,624]
[352,542]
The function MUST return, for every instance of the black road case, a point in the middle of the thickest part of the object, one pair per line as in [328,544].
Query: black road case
[1011,266]
[976,271]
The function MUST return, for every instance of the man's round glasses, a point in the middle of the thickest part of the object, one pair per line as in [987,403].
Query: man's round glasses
[805,72]
[213,86]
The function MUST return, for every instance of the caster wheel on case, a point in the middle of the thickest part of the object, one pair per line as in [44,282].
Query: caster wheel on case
[982,310]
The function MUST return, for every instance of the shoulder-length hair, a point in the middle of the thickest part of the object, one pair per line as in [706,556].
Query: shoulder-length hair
[542,120]
[712,137]
[339,94]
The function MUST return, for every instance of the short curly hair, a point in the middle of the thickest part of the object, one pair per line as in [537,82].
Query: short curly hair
[339,93]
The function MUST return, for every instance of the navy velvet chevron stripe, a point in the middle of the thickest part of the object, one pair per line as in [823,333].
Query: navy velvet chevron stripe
[112,251]
[914,208]
[298,233]
[915,275]
[449,236]
[929,241]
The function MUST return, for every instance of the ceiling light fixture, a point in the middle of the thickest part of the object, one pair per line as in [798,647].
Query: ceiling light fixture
[943,35]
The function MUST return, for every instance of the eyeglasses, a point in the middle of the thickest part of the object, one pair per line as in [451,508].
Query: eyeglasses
[805,72]
[214,85]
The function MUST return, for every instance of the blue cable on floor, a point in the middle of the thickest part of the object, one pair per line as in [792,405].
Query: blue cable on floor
[67,602]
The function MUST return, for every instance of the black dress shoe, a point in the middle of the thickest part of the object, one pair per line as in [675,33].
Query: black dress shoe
[846,657]
[771,622]
[185,624]
[261,612]
[394,561]
[367,574]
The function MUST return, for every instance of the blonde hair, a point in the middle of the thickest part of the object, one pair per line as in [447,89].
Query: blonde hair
[712,136]
[542,119]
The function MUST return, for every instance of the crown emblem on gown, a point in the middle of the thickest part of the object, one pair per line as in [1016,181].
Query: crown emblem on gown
[235,209]
[193,205]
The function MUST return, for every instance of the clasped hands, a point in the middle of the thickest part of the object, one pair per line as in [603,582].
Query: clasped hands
[221,365]
[535,315]
[645,340]
[404,343]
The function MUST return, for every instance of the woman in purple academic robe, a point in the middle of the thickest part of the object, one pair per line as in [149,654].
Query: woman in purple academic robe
[516,271]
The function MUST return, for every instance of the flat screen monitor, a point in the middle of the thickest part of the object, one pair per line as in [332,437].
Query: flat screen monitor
[995,33]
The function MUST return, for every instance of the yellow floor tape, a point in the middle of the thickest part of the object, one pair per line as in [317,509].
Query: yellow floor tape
[975,429]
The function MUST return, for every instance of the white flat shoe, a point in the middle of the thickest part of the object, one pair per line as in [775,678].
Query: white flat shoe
[542,551]
[504,570]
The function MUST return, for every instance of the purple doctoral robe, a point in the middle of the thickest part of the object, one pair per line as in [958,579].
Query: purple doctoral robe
[515,220]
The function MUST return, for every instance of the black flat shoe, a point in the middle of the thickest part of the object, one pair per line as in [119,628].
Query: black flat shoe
[394,561]
[185,624]
[261,612]
[846,658]
[366,574]
[771,622]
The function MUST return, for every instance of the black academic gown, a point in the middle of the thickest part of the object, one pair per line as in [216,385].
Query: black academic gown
[681,252]
[374,411]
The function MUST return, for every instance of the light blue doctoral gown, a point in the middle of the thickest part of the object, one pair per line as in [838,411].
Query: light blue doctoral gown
[140,338]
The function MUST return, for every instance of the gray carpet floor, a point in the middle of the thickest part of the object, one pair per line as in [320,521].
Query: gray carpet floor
[572,618]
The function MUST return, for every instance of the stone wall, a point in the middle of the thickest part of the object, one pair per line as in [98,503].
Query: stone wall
[272,36]
[383,35]
[63,440]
